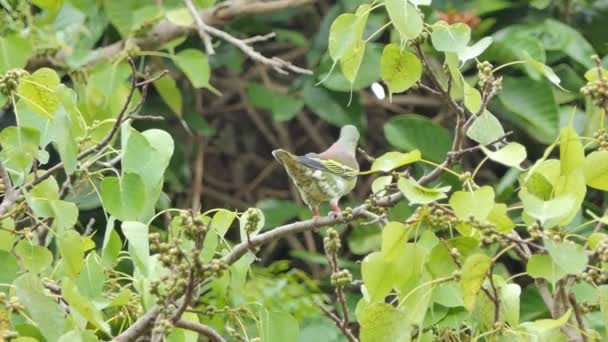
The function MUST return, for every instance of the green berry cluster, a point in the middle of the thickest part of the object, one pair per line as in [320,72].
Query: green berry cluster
[593,275]
[487,80]
[12,304]
[341,278]
[420,39]
[601,250]
[602,137]
[374,207]
[440,218]
[488,232]
[10,80]
[597,91]
[589,307]
[332,242]
[14,18]
[252,219]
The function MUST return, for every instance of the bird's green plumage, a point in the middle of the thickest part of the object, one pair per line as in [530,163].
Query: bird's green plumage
[327,176]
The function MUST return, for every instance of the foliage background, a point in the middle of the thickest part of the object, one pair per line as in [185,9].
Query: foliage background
[226,113]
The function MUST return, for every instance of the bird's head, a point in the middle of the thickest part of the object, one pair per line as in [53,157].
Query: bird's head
[349,135]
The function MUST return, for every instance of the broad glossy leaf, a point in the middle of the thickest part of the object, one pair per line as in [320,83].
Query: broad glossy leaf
[180,16]
[351,60]
[146,154]
[112,244]
[570,257]
[92,278]
[195,65]
[512,154]
[418,194]
[44,310]
[400,70]
[71,247]
[382,322]
[472,98]
[346,31]
[139,248]
[411,131]
[368,71]
[394,238]
[595,169]
[533,106]
[450,38]
[38,91]
[124,197]
[406,18]
[448,294]
[393,160]
[9,267]
[474,271]
[543,69]
[7,235]
[378,185]
[510,303]
[485,129]
[19,146]
[120,14]
[477,204]
[441,264]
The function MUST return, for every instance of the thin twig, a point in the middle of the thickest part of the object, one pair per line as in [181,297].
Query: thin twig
[10,195]
[201,27]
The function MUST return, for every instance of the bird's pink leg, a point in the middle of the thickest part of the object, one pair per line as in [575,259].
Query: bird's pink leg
[335,207]
[315,213]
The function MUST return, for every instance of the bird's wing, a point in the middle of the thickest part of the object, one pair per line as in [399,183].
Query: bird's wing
[332,166]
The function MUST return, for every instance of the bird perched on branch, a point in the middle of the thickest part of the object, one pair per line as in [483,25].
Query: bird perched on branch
[327,176]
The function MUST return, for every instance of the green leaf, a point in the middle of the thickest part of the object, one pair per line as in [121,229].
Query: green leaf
[382,322]
[411,131]
[549,213]
[473,272]
[112,244]
[278,326]
[332,107]
[400,70]
[477,204]
[10,268]
[346,31]
[543,69]
[92,278]
[509,294]
[406,18]
[170,93]
[368,71]
[393,160]
[16,51]
[222,220]
[146,154]
[394,238]
[195,65]
[277,212]
[475,50]
[472,97]
[485,129]
[38,91]
[45,311]
[68,127]
[120,14]
[448,294]
[595,168]
[533,106]
[542,266]
[450,38]
[498,216]
[139,248]
[603,299]
[544,325]
[124,197]
[375,278]
[512,154]
[19,146]
[33,258]
[76,335]
[379,184]
[571,151]
[351,61]
[83,306]
[441,264]
[570,257]
[180,16]
[418,194]
[7,234]
[282,107]
[71,247]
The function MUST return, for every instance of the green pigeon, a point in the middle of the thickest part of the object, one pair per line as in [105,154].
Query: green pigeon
[327,176]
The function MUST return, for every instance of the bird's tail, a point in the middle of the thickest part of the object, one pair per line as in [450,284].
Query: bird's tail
[283,156]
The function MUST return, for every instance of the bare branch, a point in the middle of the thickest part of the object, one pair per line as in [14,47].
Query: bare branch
[202,329]
[10,195]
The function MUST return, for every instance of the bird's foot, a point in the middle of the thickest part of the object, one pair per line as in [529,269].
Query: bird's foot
[336,212]
[315,214]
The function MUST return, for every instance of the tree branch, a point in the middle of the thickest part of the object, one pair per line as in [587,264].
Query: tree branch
[201,27]
[202,329]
